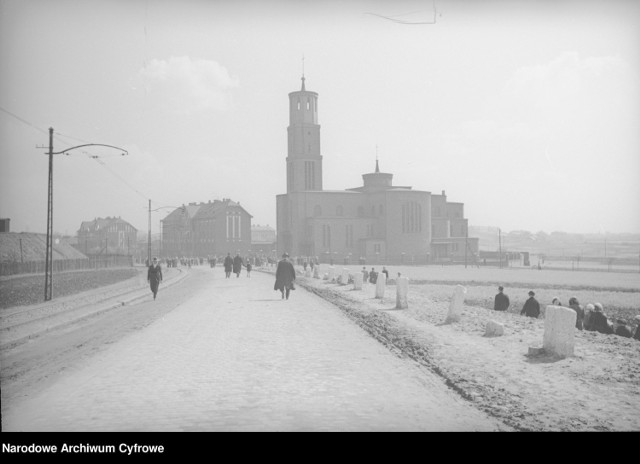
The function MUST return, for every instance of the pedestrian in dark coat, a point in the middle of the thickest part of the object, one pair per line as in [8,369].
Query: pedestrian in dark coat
[531,307]
[154,276]
[373,276]
[237,265]
[501,301]
[228,265]
[285,276]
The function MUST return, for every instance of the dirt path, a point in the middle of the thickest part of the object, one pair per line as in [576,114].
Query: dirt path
[30,367]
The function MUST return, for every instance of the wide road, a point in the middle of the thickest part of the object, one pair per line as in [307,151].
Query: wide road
[217,354]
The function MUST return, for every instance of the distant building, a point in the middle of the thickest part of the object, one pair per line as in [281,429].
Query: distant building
[263,239]
[110,235]
[377,222]
[5,225]
[204,229]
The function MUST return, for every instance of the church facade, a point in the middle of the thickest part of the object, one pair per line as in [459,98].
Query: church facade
[374,223]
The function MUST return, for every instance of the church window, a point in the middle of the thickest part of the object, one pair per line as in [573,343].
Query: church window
[298,104]
[411,217]
[308,105]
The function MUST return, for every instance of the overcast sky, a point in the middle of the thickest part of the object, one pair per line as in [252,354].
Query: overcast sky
[528,112]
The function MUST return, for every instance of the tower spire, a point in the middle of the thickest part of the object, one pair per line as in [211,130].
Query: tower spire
[377,167]
[303,89]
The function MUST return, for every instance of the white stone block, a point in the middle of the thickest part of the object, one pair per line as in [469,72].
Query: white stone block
[332,273]
[381,284]
[357,281]
[345,276]
[402,289]
[316,272]
[456,304]
[559,331]
[494,329]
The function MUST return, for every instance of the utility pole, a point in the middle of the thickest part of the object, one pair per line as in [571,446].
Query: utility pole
[48,272]
[500,246]
[48,259]
[466,247]
[149,238]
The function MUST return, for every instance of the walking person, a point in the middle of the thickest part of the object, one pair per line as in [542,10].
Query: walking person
[501,301]
[237,265]
[285,276]
[228,265]
[249,266]
[154,276]
[531,307]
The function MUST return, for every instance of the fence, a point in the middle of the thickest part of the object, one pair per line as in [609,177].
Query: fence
[60,265]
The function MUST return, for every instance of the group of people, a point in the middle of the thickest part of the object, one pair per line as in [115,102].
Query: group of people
[372,275]
[591,317]
[235,265]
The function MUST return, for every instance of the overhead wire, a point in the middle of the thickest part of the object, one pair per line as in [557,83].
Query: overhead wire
[58,135]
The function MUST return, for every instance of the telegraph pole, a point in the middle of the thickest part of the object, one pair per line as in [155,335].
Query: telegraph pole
[48,260]
[149,238]
[500,246]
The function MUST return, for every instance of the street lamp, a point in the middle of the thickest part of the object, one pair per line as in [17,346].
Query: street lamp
[48,272]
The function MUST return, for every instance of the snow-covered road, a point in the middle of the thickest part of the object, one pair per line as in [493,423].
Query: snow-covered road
[214,354]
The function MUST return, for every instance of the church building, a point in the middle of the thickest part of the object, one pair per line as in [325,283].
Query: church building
[376,222]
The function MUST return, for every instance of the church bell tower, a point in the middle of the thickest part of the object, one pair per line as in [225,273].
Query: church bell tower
[304,162]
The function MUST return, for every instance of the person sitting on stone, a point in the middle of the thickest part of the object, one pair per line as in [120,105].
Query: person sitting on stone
[575,305]
[620,328]
[556,301]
